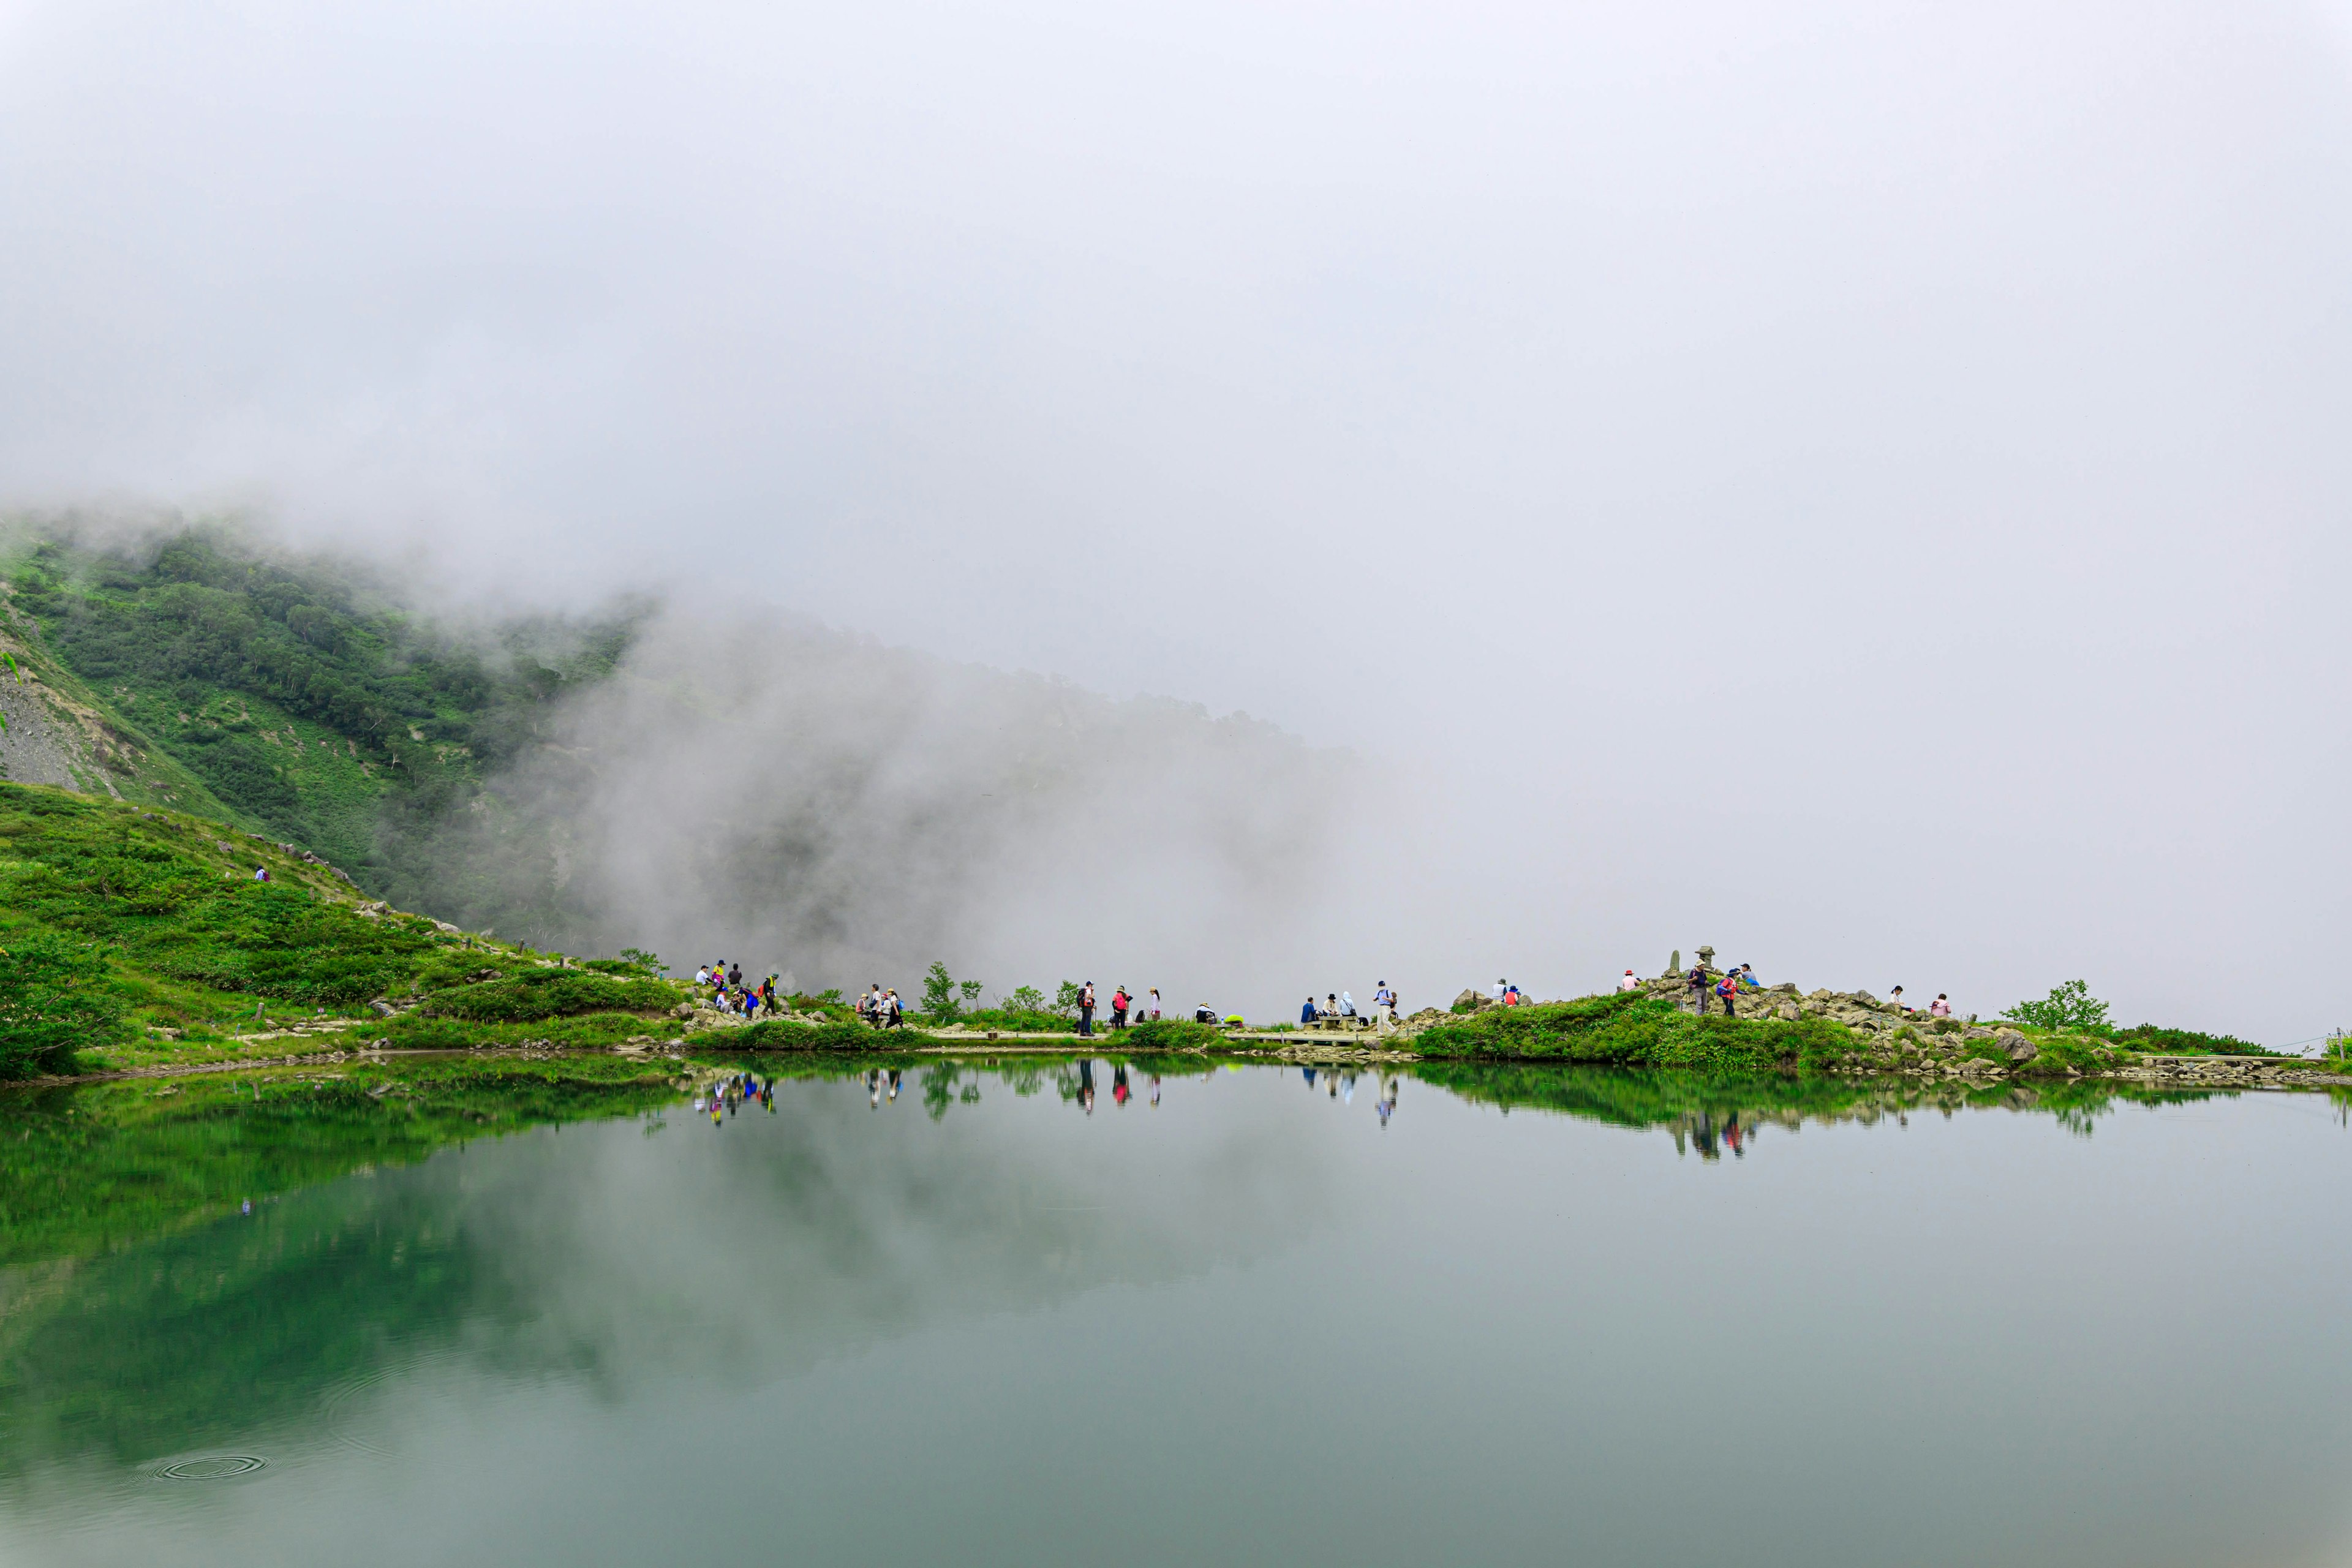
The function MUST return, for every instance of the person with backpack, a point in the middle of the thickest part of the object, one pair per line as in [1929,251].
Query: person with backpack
[1087,1009]
[1728,988]
[1119,1004]
[1696,981]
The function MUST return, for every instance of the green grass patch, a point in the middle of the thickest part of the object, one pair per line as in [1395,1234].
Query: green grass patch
[1633,1030]
[538,993]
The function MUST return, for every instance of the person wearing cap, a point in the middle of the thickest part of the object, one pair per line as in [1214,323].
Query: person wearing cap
[1629,982]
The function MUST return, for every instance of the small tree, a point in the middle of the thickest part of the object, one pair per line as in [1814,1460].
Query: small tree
[1026,999]
[971,992]
[644,961]
[1066,999]
[2068,1009]
[940,993]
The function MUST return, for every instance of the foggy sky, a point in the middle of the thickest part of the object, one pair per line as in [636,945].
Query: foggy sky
[1863,486]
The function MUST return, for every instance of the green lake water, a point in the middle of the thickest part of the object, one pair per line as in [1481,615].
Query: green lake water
[1488,1316]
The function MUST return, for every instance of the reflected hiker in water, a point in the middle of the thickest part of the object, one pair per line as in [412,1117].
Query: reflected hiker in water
[1087,1086]
[1118,1089]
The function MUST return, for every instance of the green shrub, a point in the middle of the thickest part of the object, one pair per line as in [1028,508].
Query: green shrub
[53,998]
[781,1034]
[2068,1009]
[1171,1035]
[550,993]
[1634,1030]
[2178,1042]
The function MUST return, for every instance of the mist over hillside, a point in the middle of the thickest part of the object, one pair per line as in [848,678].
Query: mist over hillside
[703,779]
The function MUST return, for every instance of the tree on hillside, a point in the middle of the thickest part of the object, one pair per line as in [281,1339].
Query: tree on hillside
[940,993]
[2068,1009]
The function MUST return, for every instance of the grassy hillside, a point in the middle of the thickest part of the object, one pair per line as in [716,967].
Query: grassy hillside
[127,932]
[295,699]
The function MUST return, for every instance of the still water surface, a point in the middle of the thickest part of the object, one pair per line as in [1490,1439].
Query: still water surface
[1257,1322]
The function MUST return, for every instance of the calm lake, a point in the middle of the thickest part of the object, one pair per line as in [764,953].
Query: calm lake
[1485,1316]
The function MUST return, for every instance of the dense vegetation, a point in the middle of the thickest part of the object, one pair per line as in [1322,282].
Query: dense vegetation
[1628,1029]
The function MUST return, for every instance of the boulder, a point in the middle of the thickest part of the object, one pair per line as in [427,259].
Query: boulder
[1472,1001]
[2016,1047]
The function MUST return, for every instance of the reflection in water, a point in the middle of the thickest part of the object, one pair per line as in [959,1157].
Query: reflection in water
[1714,1116]
[775,1277]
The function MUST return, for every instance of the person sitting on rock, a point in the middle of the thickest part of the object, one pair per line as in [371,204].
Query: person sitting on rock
[1895,1000]
[1629,982]
[1331,1004]
[1306,1013]
[1941,1007]
[1748,980]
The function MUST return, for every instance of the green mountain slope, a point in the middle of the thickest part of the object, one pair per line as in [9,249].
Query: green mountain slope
[293,697]
[128,933]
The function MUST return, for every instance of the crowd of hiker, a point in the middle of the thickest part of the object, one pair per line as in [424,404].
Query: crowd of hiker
[729,994]
[880,1007]
[1341,1006]
[1726,989]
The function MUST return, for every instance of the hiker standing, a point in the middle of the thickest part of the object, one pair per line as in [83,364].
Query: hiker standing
[1385,1007]
[1087,1009]
[1728,988]
[1118,1003]
[1155,1013]
[1696,981]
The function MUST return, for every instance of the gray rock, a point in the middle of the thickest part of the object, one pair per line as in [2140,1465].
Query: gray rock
[2017,1046]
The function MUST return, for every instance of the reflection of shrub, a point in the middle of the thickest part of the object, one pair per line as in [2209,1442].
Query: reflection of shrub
[53,998]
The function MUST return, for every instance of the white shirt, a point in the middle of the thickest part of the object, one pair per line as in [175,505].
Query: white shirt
[1629,982]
